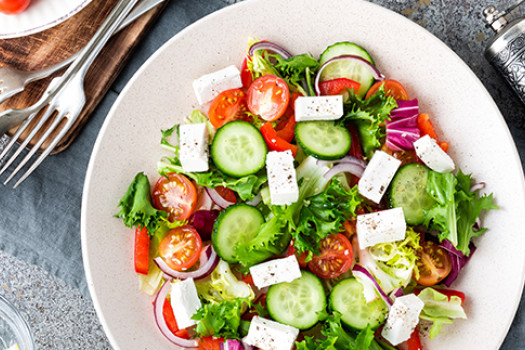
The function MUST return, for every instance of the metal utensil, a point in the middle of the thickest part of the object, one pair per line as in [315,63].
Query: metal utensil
[12,80]
[64,97]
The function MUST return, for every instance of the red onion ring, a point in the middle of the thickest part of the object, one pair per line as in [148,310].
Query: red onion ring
[207,263]
[477,186]
[231,344]
[351,168]
[345,159]
[161,322]
[375,72]
[217,198]
[268,45]
[256,200]
[382,294]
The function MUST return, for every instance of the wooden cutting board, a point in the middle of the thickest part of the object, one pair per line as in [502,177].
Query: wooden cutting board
[53,45]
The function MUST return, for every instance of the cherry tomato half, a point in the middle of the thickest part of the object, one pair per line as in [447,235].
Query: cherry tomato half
[229,105]
[336,257]
[13,7]
[268,97]
[393,88]
[176,195]
[181,248]
[433,263]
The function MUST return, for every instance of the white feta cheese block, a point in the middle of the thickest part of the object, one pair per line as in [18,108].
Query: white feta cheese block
[282,178]
[184,302]
[433,155]
[402,319]
[193,143]
[270,335]
[309,108]
[211,85]
[383,226]
[377,176]
[275,271]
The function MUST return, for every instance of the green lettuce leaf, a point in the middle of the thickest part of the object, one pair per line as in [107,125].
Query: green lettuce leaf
[369,116]
[439,309]
[324,214]
[456,208]
[222,285]
[135,206]
[196,117]
[221,320]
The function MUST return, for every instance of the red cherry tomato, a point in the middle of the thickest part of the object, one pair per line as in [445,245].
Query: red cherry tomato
[268,97]
[176,195]
[300,258]
[433,263]
[13,7]
[336,257]
[393,88]
[141,258]
[229,105]
[181,248]
[246,75]
[226,193]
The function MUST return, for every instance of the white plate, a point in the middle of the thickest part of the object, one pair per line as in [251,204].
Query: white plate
[160,94]
[39,15]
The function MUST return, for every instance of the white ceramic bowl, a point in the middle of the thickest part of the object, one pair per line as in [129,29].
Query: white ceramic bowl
[160,95]
[39,15]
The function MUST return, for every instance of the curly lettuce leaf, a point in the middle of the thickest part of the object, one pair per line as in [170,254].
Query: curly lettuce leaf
[221,320]
[439,309]
[369,116]
[135,206]
[324,214]
[456,209]
[223,285]
[335,337]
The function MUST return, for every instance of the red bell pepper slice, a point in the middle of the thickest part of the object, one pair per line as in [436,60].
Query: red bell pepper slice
[171,322]
[274,142]
[141,250]
[425,126]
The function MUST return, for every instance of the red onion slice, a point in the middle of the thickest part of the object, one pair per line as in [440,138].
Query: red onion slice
[217,198]
[207,263]
[268,45]
[161,322]
[351,168]
[364,272]
[345,159]
[255,201]
[375,72]
[477,186]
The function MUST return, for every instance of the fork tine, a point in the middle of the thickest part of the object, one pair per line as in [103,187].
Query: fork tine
[44,154]
[35,148]
[15,137]
[43,119]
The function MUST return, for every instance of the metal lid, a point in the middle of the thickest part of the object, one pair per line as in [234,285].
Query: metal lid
[507,32]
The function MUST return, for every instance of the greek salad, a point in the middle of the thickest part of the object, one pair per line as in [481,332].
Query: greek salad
[308,204]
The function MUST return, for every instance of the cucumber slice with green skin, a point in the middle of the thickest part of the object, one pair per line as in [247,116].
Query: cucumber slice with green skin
[408,191]
[238,149]
[297,303]
[347,69]
[323,139]
[348,299]
[238,223]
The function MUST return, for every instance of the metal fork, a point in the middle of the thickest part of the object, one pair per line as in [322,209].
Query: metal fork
[64,97]
[12,80]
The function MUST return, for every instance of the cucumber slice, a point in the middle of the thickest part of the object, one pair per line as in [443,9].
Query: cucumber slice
[348,299]
[297,303]
[408,190]
[238,149]
[323,139]
[347,69]
[236,224]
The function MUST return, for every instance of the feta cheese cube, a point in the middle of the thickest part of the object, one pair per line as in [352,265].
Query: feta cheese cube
[211,85]
[193,143]
[184,302]
[282,178]
[318,108]
[433,155]
[377,176]
[381,227]
[402,319]
[270,335]
[275,271]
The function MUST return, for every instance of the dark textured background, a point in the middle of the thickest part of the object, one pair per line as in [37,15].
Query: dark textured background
[58,309]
